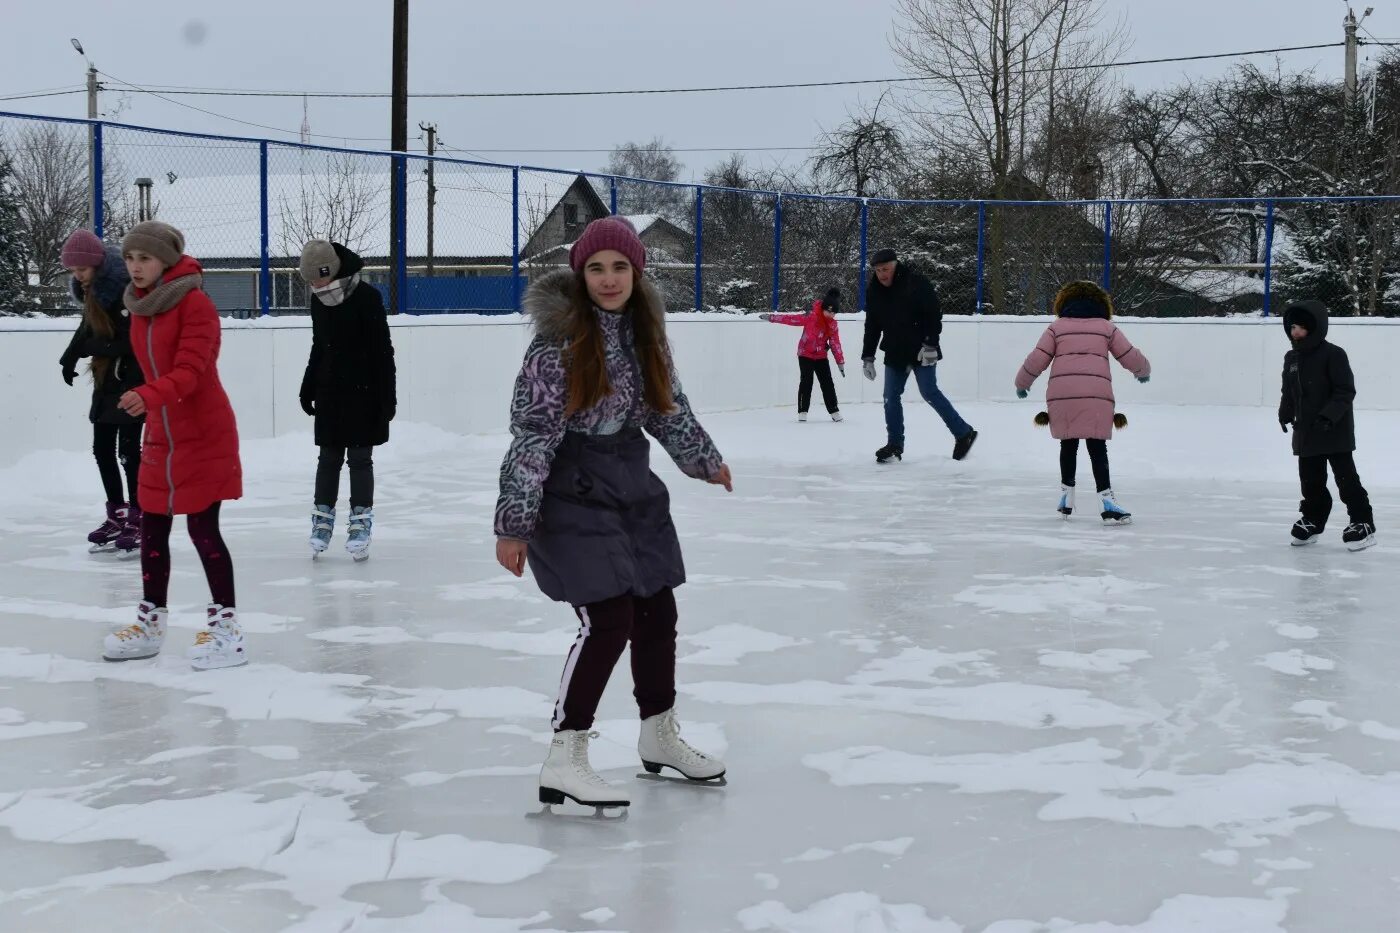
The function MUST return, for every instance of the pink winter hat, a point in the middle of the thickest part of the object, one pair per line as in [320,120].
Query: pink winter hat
[82,249]
[609,233]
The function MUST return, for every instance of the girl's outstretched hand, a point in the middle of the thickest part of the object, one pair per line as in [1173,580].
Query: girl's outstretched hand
[723,478]
[510,554]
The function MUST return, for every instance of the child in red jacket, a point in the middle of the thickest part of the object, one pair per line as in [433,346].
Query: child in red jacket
[189,460]
[820,333]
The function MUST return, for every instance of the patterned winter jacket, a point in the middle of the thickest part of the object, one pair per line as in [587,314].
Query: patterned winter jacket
[537,422]
[818,333]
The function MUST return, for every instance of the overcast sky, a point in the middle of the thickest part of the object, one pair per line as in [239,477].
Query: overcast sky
[607,44]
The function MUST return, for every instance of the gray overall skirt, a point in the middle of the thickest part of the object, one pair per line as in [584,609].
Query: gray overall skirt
[605,526]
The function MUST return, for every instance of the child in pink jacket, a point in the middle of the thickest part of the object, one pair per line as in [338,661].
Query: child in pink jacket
[1079,395]
[820,333]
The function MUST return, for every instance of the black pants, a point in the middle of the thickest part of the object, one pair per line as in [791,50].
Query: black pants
[361,475]
[605,628]
[822,370]
[113,444]
[1098,459]
[1317,501]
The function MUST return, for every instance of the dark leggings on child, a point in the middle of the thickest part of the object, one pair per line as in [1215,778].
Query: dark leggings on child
[361,461]
[114,444]
[821,369]
[1098,459]
[155,555]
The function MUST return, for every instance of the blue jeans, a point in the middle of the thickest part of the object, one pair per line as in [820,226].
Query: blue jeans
[896,378]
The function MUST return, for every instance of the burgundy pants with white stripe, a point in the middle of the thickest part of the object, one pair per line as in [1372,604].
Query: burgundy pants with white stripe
[604,630]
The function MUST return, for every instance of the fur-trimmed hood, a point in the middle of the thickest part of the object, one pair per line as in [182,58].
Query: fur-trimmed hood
[1083,299]
[549,305]
[108,284]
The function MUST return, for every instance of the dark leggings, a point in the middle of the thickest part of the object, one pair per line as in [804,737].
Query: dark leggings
[605,628]
[361,461]
[821,369]
[204,532]
[1098,459]
[114,444]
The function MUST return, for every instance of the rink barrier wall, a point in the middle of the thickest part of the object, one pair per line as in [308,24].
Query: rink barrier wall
[457,372]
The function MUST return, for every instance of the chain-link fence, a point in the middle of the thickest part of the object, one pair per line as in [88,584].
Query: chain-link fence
[472,235]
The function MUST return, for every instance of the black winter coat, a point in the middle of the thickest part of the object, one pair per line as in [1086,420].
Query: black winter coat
[124,373]
[1318,387]
[350,375]
[902,318]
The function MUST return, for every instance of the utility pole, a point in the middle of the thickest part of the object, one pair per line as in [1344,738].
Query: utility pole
[431,130]
[398,141]
[93,169]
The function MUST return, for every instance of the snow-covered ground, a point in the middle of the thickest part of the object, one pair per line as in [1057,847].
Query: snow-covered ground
[943,707]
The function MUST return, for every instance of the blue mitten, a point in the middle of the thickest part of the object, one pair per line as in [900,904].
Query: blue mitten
[1022,393]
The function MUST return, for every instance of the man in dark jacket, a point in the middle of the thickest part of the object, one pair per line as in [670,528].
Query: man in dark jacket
[902,318]
[1316,401]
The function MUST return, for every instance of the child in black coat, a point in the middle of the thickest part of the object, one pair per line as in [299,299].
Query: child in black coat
[1316,402]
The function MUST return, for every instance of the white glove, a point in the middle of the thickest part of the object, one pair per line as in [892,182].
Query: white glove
[868,367]
[765,317]
[928,355]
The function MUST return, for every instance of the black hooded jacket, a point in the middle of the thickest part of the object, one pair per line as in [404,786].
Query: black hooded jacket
[350,375]
[1318,387]
[901,318]
[124,373]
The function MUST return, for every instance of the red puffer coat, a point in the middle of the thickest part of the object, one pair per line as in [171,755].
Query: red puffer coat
[189,456]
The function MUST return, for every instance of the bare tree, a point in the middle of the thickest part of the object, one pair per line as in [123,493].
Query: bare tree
[50,165]
[863,156]
[997,71]
[344,203]
[653,160]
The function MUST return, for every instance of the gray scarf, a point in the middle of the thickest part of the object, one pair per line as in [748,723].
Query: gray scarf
[163,297]
[337,291]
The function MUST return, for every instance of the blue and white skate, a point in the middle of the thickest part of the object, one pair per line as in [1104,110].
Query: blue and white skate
[1113,514]
[1066,506]
[322,526]
[361,524]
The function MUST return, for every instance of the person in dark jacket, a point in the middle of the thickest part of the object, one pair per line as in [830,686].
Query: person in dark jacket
[579,501]
[104,337]
[349,388]
[1316,402]
[902,317]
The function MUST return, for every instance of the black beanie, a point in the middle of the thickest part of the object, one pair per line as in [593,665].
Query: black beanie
[882,256]
[831,301]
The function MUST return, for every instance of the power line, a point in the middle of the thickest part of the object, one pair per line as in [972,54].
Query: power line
[34,94]
[232,92]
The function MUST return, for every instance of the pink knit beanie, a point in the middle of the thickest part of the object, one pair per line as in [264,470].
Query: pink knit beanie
[609,233]
[82,249]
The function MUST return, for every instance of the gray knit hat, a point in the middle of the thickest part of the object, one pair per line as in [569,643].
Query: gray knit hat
[158,239]
[319,261]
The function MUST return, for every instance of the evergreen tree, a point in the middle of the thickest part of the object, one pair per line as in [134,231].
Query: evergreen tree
[14,269]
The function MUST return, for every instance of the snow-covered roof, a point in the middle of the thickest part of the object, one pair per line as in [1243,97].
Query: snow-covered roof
[219,215]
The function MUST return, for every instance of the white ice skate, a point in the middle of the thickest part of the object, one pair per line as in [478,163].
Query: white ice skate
[1066,506]
[220,643]
[1113,514]
[836,416]
[801,416]
[322,527]
[142,639]
[567,773]
[661,746]
[361,525]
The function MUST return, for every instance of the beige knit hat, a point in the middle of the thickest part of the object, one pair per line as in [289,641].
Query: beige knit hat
[319,261]
[158,239]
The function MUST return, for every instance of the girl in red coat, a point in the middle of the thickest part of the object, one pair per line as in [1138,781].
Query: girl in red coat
[189,460]
[820,335]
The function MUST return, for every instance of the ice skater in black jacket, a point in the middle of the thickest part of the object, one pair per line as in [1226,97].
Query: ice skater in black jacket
[902,317]
[1316,402]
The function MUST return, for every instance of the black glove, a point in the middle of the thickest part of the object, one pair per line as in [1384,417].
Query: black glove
[308,405]
[69,374]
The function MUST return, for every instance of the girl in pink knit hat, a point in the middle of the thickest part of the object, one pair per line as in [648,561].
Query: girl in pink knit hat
[104,338]
[580,504]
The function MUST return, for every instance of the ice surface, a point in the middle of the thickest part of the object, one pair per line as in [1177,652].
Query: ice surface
[943,707]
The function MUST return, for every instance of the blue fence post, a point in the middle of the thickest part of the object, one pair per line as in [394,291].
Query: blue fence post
[1108,246]
[981,252]
[264,272]
[97,210]
[612,194]
[400,232]
[515,236]
[699,248]
[777,250]
[864,251]
[1268,257]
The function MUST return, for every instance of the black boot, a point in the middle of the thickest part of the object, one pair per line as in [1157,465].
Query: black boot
[964,444]
[889,452]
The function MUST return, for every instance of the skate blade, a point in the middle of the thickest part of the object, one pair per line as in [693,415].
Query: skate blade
[718,781]
[1362,545]
[101,548]
[1117,522]
[1296,543]
[360,557]
[219,665]
[599,815]
[134,657]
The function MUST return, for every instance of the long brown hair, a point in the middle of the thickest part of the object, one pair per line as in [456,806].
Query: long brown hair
[586,360]
[100,323]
